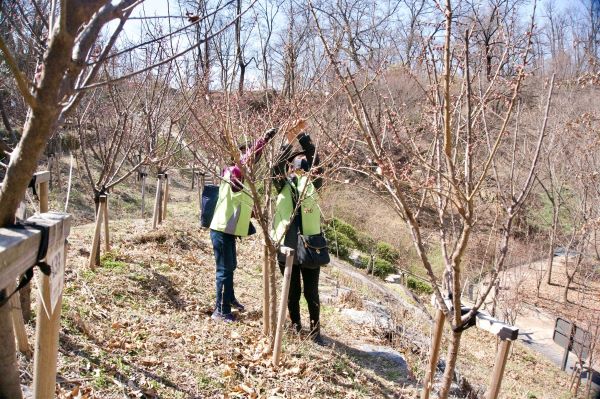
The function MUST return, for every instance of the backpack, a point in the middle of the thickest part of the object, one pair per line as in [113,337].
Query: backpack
[210,195]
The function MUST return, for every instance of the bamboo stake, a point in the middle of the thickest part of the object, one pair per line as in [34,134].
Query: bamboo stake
[93,261]
[266,289]
[436,340]
[104,204]
[155,216]
[498,371]
[19,322]
[285,290]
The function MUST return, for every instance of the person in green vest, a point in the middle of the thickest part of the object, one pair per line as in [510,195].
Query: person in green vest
[231,219]
[296,176]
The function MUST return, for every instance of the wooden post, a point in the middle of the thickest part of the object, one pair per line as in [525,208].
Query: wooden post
[21,213]
[143,193]
[200,188]
[193,177]
[272,292]
[285,290]
[43,195]
[19,251]
[266,287]
[50,164]
[9,383]
[42,181]
[104,205]
[18,322]
[156,215]
[498,371]
[48,323]
[165,198]
[96,240]
[436,339]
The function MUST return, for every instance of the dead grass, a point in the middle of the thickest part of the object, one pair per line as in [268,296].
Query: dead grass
[139,327]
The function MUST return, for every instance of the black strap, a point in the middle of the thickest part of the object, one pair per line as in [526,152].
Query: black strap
[40,261]
[32,185]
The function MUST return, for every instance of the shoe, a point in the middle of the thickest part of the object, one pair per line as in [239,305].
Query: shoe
[317,339]
[315,333]
[297,327]
[218,316]
[238,305]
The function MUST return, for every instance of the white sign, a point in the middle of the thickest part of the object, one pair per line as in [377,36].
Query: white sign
[56,261]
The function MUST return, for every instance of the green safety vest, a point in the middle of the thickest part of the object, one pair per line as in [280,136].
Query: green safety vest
[233,210]
[309,209]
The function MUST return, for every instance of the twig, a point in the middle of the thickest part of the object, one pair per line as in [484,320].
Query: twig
[22,82]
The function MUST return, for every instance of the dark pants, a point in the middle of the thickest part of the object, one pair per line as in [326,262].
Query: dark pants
[310,278]
[225,258]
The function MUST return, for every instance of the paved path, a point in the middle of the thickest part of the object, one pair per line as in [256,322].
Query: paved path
[536,329]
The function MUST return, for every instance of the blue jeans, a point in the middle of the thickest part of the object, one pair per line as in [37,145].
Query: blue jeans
[225,258]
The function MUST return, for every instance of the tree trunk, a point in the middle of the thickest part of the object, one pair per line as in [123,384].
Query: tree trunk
[450,364]
[565,294]
[239,51]
[552,242]
[9,383]
[4,115]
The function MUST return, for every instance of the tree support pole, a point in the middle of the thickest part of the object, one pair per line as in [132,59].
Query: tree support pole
[165,198]
[94,253]
[9,383]
[285,290]
[48,326]
[43,195]
[266,292]
[436,340]
[143,193]
[200,188]
[156,215]
[498,372]
[104,205]
[272,293]
[18,322]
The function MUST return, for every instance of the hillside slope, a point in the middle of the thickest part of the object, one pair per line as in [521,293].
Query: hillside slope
[139,326]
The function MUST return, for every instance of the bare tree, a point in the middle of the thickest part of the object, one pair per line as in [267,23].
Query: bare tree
[452,157]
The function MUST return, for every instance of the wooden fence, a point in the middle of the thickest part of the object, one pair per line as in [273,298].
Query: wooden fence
[19,251]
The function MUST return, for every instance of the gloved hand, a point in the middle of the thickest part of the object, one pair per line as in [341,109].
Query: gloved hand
[269,134]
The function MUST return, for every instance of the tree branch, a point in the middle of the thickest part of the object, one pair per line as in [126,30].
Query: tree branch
[22,83]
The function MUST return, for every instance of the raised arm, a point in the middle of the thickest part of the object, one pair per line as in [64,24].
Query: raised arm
[312,158]
[255,150]
[251,154]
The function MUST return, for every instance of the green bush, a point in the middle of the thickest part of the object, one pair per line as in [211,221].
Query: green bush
[363,261]
[418,286]
[339,244]
[382,268]
[387,252]
[346,229]
[364,242]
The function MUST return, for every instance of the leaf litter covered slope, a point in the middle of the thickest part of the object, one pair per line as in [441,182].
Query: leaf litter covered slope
[139,325]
